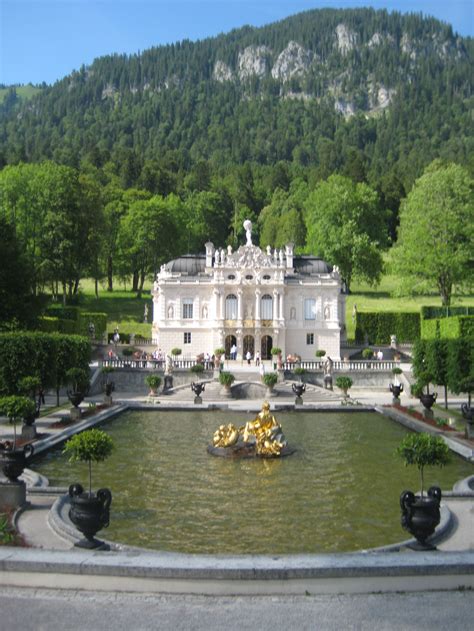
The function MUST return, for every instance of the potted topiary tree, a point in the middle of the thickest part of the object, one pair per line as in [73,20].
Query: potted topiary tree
[197,369]
[218,353]
[344,384]
[78,379]
[427,399]
[153,381]
[31,387]
[175,352]
[13,460]
[367,354]
[107,384]
[396,388]
[420,514]
[300,373]
[320,353]
[276,352]
[226,379]
[270,379]
[89,512]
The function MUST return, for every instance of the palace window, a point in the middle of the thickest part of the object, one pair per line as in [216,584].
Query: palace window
[188,309]
[309,338]
[187,338]
[310,309]
[267,307]
[231,307]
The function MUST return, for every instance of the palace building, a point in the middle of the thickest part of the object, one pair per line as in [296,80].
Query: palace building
[252,298]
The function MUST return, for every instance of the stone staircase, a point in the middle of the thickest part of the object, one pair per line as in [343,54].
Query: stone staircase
[250,382]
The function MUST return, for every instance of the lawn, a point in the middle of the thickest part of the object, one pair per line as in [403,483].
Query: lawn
[124,310]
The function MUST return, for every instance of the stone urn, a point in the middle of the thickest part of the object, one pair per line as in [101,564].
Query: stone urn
[75,397]
[428,400]
[420,516]
[197,388]
[298,389]
[396,389]
[13,461]
[89,513]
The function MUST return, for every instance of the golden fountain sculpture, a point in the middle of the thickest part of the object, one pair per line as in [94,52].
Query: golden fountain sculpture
[261,437]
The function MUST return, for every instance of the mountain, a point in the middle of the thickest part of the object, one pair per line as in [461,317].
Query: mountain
[324,87]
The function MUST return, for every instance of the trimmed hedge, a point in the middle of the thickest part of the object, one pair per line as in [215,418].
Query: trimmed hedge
[45,355]
[73,321]
[99,320]
[432,313]
[448,328]
[56,325]
[378,327]
[63,313]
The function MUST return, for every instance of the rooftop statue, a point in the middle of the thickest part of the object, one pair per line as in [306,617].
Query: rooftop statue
[248,231]
[263,437]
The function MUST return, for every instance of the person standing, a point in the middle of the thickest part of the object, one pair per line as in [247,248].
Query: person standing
[257,358]
[248,357]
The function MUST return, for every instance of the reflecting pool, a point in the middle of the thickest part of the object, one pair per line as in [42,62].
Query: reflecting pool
[338,492]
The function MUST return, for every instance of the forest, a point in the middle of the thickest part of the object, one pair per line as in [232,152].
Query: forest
[134,160]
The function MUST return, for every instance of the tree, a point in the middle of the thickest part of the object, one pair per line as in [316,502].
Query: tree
[346,226]
[148,238]
[17,304]
[436,236]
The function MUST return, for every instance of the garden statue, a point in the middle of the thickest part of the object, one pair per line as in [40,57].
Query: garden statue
[261,437]
[328,369]
[145,313]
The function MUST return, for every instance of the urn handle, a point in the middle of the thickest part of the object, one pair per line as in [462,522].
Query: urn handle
[407,498]
[105,496]
[75,490]
[28,450]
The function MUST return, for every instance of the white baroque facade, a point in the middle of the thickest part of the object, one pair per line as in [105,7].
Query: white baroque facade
[252,298]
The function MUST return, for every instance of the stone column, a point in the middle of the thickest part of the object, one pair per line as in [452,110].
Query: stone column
[281,306]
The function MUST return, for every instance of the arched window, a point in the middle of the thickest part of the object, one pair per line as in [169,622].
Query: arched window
[267,307]
[231,307]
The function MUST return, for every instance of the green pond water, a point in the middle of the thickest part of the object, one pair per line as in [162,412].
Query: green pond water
[338,492]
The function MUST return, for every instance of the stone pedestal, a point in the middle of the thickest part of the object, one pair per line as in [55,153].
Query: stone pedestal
[75,414]
[299,401]
[428,414]
[28,432]
[226,392]
[107,399]
[197,400]
[12,495]
[395,401]
[167,383]
[328,382]
[470,429]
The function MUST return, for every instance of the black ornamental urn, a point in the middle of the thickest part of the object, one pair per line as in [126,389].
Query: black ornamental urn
[13,461]
[421,515]
[89,513]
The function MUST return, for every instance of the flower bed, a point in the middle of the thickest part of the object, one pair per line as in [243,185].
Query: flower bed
[419,416]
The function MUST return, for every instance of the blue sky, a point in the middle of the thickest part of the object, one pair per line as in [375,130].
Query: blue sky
[43,40]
